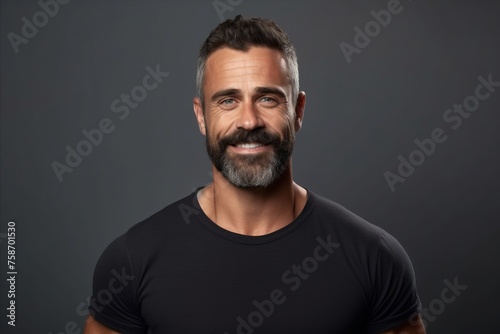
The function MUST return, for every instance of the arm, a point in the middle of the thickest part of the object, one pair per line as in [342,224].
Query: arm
[395,301]
[113,304]
[416,327]
[92,326]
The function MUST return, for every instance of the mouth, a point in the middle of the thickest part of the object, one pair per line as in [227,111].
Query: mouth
[249,147]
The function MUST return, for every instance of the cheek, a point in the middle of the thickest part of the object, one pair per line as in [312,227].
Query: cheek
[284,123]
[220,124]
[215,129]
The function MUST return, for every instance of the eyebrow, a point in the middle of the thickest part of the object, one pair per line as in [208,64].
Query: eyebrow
[225,92]
[260,90]
[271,90]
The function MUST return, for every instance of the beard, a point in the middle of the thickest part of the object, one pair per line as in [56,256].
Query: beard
[252,170]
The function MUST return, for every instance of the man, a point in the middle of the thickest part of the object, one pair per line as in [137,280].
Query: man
[253,252]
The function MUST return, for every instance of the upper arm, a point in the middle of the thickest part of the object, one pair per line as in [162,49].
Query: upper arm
[93,326]
[114,300]
[394,299]
[413,327]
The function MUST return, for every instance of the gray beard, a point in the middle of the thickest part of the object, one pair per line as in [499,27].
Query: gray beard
[252,170]
[261,172]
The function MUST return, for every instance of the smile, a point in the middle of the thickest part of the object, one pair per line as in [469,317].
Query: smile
[249,148]
[249,145]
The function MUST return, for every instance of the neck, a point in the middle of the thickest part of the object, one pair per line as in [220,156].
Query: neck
[252,211]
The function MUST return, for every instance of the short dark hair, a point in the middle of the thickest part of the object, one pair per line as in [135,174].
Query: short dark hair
[242,33]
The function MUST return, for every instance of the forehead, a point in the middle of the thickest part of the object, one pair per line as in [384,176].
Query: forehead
[258,66]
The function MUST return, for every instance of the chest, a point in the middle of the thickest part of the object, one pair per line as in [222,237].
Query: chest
[252,290]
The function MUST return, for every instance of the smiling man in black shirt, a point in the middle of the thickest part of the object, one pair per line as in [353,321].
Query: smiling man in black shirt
[253,252]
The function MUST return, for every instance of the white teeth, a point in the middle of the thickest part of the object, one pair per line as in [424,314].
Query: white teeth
[249,145]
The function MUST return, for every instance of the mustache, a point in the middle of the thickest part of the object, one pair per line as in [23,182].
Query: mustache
[259,136]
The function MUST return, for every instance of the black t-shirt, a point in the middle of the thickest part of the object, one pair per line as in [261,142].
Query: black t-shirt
[328,271]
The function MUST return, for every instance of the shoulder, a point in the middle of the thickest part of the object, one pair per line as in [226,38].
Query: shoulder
[162,228]
[169,220]
[360,240]
[377,258]
[344,222]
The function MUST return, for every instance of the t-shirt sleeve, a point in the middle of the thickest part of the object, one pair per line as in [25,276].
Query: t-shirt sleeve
[395,297]
[114,291]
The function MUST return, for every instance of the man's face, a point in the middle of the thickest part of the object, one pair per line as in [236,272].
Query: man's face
[248,116]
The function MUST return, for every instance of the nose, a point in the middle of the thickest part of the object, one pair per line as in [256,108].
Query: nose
[249,117]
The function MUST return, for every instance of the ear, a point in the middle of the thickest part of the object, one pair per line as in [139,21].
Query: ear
[300,107]
[200,117]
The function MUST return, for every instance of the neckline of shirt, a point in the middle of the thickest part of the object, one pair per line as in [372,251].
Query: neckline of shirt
[254,240]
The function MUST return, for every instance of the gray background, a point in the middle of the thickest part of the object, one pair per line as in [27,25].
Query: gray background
[360,117]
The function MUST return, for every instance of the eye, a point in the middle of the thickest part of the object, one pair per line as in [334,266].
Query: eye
[227,102]
[269,101]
